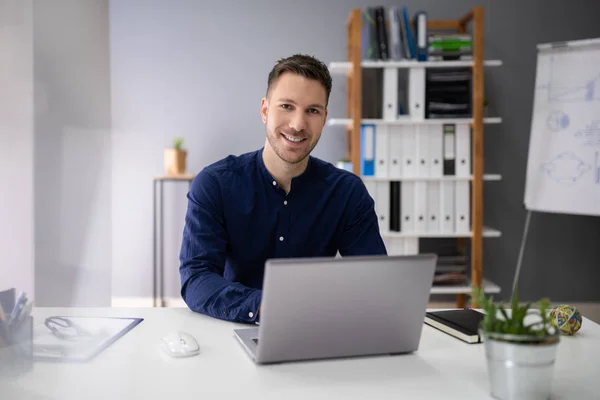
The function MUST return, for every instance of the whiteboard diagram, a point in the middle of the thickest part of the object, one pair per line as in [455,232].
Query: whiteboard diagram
[557,120]
[574,88]
[565,168]
[590,135]
[597,168]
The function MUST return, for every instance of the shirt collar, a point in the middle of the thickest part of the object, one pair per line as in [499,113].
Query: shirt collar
[295,181]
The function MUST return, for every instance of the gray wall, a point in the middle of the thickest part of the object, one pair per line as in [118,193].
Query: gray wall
[16,146]
[198,69]
[72,153]
[562,258]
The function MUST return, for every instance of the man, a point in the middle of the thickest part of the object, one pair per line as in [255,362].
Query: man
[275,202]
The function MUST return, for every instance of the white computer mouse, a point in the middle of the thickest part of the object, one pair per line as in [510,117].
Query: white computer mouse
[180,344]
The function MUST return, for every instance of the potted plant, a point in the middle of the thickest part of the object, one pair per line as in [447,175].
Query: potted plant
[520,347]
[175,158]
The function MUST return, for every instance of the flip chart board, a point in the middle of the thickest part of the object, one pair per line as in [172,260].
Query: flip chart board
[563,164]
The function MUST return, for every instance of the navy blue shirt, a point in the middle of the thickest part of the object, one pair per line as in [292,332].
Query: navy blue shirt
[238,217]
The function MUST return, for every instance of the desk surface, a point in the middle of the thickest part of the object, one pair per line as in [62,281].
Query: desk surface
[135,368]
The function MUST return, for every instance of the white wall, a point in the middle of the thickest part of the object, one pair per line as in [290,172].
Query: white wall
[16,146]
[196,69]
[72,153]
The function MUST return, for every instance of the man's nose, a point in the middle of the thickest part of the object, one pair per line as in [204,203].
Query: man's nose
[298,121]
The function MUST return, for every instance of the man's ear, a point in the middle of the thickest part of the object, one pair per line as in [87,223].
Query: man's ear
[264,107]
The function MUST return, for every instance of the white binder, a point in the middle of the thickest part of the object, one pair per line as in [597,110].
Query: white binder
[463,150]
[409,151]
[461,199]
[390,94]
[447,206]
[395,152]
[407,206]
[422,134]
[433,206]
[436,151]
[416,93]
[382,205]
[420,206]
[382,151]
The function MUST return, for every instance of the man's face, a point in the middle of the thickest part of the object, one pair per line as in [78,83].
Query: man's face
[294,114]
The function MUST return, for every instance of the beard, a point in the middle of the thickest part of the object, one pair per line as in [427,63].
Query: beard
[284,152]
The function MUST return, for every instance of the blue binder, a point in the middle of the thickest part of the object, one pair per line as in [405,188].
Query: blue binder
[367,149]
[421,40]
[409,35]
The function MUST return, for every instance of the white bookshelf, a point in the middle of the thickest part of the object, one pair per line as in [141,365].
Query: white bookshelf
[487,232]
[488,287]
[452,178]
[423,184]
[409,121]
[343,67]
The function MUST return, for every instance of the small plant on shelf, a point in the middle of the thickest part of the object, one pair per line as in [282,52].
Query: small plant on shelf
[177,142]
[175,158]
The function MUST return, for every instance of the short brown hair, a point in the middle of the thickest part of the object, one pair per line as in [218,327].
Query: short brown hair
[303,65]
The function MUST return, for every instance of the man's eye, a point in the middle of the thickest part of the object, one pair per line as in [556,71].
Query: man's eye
[285,106]
[313,111]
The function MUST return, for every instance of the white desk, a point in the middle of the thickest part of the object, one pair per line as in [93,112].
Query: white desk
[134,368]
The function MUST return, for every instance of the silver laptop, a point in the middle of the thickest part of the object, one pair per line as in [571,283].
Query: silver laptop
[317,308]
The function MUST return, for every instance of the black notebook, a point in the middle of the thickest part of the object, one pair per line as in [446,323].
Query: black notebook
[462,324]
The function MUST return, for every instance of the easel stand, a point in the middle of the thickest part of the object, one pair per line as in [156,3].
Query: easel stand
[521,252]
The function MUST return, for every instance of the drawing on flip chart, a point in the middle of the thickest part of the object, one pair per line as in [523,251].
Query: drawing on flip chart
[597,168]
[557,120]
[590,135]
[576,89]
[566,168]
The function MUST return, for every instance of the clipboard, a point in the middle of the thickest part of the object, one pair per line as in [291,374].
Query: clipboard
[94,335]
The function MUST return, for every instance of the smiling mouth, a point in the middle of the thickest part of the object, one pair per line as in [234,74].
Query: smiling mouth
[293,139]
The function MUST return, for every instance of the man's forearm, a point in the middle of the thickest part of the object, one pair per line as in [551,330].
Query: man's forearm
[207,292]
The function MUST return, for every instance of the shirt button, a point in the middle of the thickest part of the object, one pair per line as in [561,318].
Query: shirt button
[251,314]
[285,202]
[281,238]
[274,183]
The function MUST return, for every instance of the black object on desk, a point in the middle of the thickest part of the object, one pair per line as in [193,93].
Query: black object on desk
[463,324]
[159,260]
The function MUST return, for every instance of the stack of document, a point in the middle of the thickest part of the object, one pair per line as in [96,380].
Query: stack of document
[448,93]
[450,47]
[78,338]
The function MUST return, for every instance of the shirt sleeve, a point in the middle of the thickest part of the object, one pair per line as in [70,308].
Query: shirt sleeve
[361,234]
[203,255]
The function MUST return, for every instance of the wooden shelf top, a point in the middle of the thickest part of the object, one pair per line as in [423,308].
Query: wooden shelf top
[184,177]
